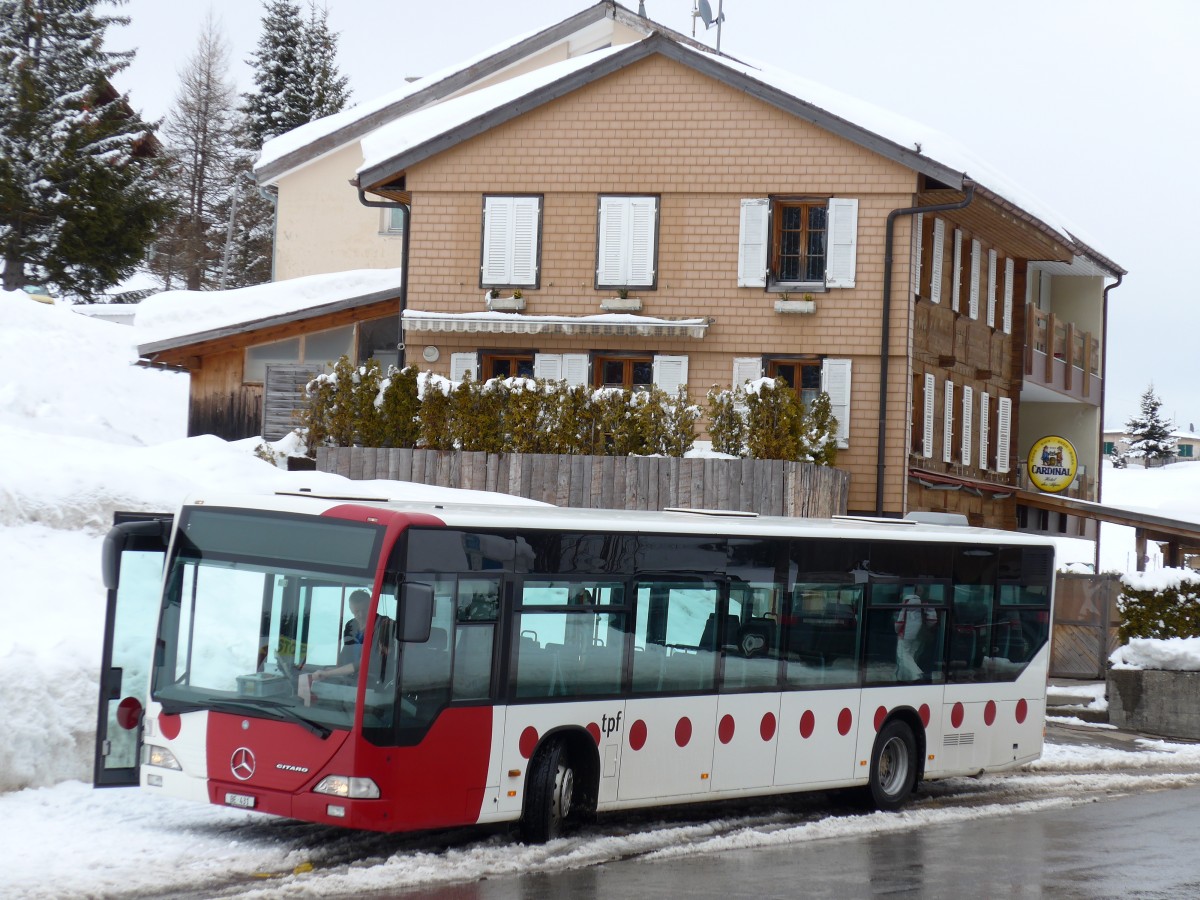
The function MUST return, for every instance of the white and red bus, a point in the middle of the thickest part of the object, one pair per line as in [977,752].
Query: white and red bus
[540,665]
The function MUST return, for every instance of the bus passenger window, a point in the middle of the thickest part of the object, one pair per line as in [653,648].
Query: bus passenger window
[752,648]
[821,635]
[677,636]
[904,639]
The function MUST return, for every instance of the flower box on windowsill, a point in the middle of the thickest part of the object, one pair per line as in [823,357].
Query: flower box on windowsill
[803,307]
[504,304]
[621,304]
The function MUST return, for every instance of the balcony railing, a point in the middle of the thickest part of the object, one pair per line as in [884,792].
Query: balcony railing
[1060,355]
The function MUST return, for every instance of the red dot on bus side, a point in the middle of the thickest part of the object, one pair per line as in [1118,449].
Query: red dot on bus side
[528,742]
[845,720]
[956,715]
[924,713]
[594,730]
[725,729]
[129,713]
[989,712]
[880,715]
[683,731]
[168,724]
[1022,711]
[637,735]
[807,723]
[766,728]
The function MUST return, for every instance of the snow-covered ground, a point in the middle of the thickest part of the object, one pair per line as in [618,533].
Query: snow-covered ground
[84,433]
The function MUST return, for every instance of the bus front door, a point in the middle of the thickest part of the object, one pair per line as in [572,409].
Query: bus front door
[132,562]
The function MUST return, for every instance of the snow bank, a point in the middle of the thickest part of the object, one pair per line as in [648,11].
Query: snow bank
[1173,654]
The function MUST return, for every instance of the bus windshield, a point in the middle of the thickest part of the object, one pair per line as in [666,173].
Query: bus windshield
[255,602]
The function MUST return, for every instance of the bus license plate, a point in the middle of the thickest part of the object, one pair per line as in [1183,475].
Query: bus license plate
[245,801]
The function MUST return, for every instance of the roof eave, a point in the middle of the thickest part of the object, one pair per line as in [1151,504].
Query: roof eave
[433,93]
[299,315]
[386,172]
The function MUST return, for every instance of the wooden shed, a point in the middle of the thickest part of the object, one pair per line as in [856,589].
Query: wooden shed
[248,377]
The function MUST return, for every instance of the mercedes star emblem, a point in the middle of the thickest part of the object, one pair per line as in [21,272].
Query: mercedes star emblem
[242,764]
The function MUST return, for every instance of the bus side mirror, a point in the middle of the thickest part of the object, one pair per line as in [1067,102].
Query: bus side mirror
[145,533]
[416,611]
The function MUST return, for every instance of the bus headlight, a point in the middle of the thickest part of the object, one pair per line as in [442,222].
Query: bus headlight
[345,786]
[159,756]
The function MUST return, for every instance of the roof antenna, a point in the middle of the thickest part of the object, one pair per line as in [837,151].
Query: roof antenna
[703,11]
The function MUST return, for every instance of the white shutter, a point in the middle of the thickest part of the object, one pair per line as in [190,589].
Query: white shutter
[985,422]
[968,416]
[510,240]
[625,254]
[548,366]
[976,253]
[497,239]
[670,372]
[1003,434]
[524,240]
[641,240]
[745,369]
[463,364]
[752,243]
[835,381]
[614,217]
[914,266]
[956,284]
[935,266]
[1010,272]
[948,423]
[991,289]
[575,369]
[843,243]
[927,421]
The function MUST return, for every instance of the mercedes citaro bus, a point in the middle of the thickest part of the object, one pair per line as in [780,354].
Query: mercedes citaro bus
[539,665]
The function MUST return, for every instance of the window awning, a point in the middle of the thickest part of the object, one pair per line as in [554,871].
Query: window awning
[604,325]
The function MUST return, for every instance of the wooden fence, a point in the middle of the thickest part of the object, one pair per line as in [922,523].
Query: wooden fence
[764,486]
[1085,625]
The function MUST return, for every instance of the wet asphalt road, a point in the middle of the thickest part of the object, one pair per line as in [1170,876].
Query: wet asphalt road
[1142,846]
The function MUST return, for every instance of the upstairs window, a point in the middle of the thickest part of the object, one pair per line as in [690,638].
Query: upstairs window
[627,242]
[511,241]
[798,243]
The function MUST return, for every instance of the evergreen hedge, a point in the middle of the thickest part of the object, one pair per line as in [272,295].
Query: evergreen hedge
[1163,605]
[767,420]
[361,406]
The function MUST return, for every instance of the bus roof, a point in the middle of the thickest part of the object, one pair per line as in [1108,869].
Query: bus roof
[669,521]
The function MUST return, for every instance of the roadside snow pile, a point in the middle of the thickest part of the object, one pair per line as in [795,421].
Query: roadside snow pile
[1175,654]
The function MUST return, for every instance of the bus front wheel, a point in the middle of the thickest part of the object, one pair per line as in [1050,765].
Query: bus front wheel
[549,796]
[893,766]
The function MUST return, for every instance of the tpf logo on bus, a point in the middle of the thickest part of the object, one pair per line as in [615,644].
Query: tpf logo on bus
[610,724]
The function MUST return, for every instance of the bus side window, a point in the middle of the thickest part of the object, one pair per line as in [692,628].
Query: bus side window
[821,634]
[676,635]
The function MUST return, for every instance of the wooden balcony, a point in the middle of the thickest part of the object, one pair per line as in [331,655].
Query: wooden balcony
[1061,357]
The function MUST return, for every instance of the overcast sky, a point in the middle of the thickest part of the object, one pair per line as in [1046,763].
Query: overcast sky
[1093,106]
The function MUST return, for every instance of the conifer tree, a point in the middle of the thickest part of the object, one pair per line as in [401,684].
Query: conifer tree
[79,178]
[282,97]
[201,148]
[329,88]
[1150,433]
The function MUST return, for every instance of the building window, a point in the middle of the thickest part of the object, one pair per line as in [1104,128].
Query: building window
[1185,450]
[1110,448]
[630,372]
[802,375]
[511,241]
[321,347]
[507,365]
[392,221]
[627,242]
[798,243]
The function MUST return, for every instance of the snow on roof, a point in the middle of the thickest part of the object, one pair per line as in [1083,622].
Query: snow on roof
[410,131]
[426,123]
[298,138]
[177,313]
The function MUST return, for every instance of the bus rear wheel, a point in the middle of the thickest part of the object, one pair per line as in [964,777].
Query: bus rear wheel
[893,766]
[550,795]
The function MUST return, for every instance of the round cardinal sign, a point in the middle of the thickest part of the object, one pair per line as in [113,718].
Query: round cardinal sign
[1052,464]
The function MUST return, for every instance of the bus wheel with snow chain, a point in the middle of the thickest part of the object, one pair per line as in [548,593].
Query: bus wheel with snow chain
[893,766]
[549,796]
